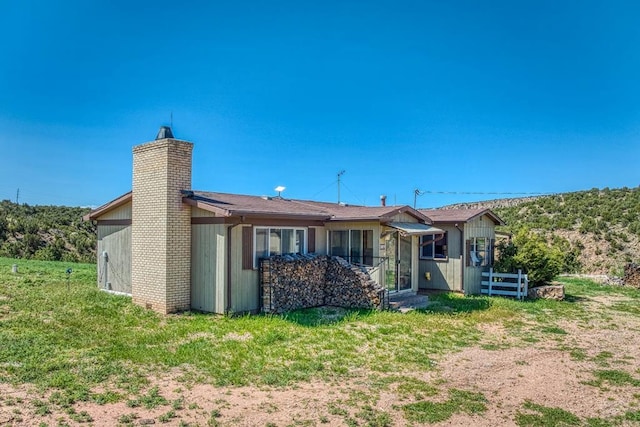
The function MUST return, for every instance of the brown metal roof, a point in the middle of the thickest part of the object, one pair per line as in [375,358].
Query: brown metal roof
[460,215]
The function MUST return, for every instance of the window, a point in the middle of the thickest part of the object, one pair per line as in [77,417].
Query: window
[434,246]
[356,246]
[278,241]
[478,251]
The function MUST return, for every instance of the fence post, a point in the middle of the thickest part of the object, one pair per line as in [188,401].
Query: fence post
[526,285]
[519,283]
[490,279]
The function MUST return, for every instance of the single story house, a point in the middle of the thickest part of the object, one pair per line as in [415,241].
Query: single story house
[173,248]
[455,260]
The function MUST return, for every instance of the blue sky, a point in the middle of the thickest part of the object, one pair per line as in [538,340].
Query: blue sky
[441,96]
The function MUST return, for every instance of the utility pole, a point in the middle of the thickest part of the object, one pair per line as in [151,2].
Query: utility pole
[417,193]
[17,196]
[339,175]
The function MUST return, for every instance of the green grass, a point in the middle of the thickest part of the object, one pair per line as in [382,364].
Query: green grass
[616,378]
[70,338]
[433,412]
[543,416]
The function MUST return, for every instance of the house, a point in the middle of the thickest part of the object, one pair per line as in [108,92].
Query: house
[173,248]
[455,260]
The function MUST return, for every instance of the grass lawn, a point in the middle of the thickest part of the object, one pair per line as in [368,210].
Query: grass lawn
[74,343]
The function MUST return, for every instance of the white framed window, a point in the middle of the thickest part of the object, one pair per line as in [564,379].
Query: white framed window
[356,246]
[434,246]
[269,241]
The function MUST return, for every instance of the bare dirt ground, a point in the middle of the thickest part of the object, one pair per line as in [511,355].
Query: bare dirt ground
[556,371]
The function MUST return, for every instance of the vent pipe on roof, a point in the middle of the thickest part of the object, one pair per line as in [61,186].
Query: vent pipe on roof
[164,133]
[383,200]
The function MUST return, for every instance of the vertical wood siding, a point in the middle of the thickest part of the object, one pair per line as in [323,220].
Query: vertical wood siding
[321,240]
[479,227]
[244,283]
[208,265]
[115,240]
[445,274]
[121,212]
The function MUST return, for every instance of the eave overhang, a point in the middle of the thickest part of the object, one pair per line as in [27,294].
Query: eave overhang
[115,203]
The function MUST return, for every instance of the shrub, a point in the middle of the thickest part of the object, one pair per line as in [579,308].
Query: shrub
[529,251]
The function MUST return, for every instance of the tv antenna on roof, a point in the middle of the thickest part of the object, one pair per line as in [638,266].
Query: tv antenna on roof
[339,175]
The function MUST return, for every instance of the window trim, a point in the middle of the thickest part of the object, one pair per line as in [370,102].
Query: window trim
[349,248]
[433,245]
[269,228]
[474,255]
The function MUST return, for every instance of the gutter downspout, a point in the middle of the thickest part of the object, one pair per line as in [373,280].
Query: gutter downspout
[462,254]
[229,228]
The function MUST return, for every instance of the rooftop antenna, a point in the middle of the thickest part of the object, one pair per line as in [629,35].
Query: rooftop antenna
[171,120]
[280,189]
[339,175]
[417,193]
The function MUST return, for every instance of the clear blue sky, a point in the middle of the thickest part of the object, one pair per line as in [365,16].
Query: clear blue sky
[450,96]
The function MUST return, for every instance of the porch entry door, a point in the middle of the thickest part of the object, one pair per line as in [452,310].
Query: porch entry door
[398,273]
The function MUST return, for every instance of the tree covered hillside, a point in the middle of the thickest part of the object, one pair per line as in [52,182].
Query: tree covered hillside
[602,227]
[51,233]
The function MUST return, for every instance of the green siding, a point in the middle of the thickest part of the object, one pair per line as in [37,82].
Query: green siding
[446,274]
[479,227]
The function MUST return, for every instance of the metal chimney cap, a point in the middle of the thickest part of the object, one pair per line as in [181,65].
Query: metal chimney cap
[164,133]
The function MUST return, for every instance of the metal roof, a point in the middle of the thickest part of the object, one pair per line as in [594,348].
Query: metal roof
[415,228]
[460,215]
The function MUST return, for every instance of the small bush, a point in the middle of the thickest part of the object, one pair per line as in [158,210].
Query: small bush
[531,253]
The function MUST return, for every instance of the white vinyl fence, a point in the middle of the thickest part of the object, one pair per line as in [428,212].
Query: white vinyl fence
[505,284]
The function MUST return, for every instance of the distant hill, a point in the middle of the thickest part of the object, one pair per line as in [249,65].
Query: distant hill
[55,233]
[601,225]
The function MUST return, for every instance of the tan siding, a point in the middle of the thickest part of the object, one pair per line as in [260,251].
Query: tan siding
[244,283]
[404,217]
[321,240]
[479,227]
[198,213]
[121,212]
[445,274]
[208,264]
[115,273]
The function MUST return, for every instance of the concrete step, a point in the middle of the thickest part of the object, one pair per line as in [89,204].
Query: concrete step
[407,302]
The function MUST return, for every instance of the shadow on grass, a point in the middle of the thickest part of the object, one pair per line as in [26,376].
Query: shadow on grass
[455,303]
[574,298]
[325,315]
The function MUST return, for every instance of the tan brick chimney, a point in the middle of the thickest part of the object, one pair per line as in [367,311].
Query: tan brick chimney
[161,224]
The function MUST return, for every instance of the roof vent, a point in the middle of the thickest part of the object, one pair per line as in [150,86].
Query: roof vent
[164,133]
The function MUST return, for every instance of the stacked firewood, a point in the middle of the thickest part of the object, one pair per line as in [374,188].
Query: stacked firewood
[347,285]
[632,275]
[302,281]
[296,282]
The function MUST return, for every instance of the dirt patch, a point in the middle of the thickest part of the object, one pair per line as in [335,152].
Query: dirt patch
[555,371]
